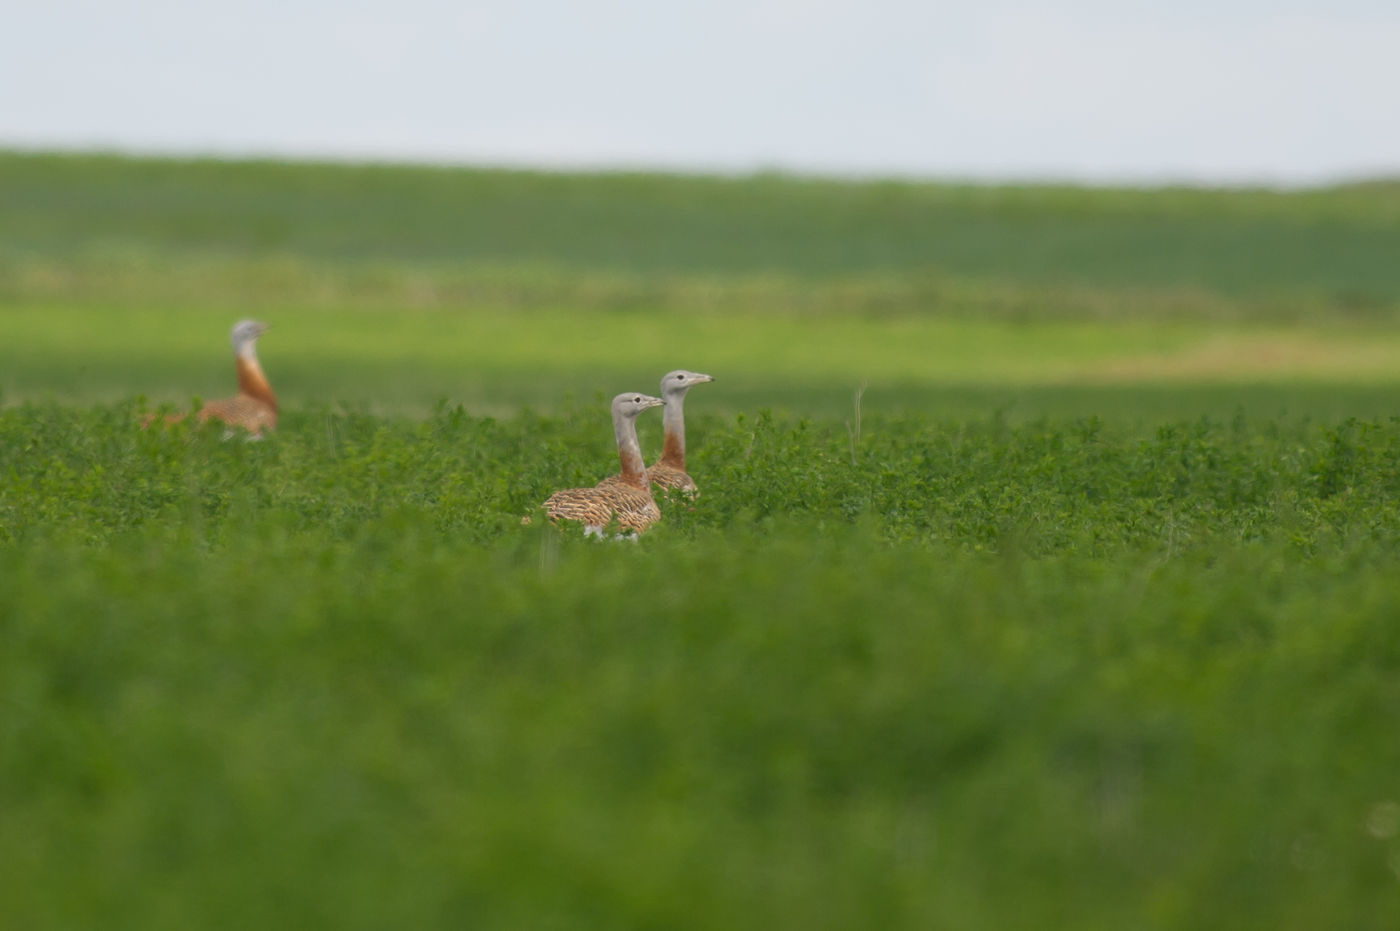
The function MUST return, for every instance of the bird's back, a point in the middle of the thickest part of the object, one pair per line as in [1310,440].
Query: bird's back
[633,508]
[668,476]
[249,413]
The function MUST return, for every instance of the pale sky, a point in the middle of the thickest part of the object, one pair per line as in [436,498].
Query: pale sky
[1285,92]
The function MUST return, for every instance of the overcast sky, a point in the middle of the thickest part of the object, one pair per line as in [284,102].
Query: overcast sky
[1286,91]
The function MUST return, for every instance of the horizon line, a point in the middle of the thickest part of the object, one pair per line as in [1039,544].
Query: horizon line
[1049,177]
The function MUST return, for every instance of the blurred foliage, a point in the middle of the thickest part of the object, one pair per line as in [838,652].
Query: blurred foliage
[496,360]
[391,287]
[217,231]
[1082,615]
[943,672]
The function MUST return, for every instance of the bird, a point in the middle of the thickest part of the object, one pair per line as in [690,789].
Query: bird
[254,408]
[669,471]
[628,500]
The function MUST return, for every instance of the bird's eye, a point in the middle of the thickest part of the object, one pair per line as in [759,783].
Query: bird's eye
[680,378]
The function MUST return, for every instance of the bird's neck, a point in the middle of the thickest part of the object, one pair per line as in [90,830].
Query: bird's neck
[629,453]
[673,422]
[251,380]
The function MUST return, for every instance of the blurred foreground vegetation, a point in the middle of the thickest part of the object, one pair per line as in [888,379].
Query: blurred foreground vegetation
[1044,571]
[948,673]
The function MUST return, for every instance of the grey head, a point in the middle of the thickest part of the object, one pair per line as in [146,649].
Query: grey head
[632,403]
[244,333]
[677,383]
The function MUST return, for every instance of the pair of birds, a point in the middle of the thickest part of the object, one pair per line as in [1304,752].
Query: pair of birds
[624,499]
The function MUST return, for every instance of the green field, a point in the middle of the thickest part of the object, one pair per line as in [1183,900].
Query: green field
[394,288]
[1045,571]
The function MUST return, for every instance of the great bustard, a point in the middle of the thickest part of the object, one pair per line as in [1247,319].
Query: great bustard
[669,470]
[254,408]
[626,499]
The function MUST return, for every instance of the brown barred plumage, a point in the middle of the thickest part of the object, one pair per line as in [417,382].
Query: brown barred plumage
[626,500]
[671,478]
[631,507]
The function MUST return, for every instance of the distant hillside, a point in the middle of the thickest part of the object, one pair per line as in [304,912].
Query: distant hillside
[68,214]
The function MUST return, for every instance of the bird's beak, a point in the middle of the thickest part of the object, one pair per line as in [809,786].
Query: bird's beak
[707,378]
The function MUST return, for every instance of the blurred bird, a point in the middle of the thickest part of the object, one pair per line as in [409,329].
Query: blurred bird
[254,408]
[627,500]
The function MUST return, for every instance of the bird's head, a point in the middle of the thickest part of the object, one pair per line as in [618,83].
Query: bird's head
[677,383]
[244,334]
[632,403]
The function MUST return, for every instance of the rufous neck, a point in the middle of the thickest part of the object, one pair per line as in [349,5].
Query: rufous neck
[629,452]
[251,380]
[673,422]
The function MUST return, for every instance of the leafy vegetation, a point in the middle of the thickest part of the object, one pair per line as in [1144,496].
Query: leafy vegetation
[1082,614]
[958,672]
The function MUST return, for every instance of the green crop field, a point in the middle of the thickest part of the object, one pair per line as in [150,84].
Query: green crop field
[1045,571]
